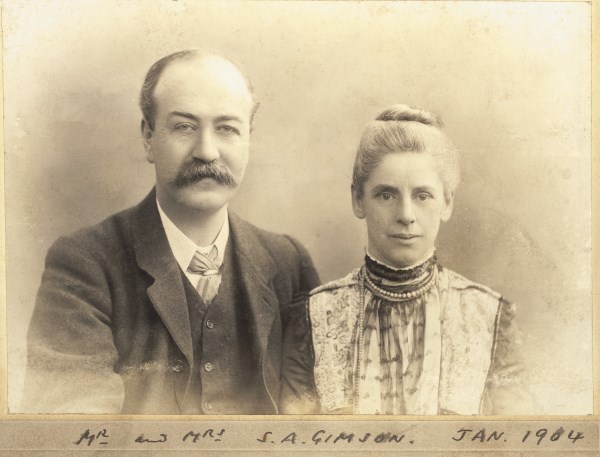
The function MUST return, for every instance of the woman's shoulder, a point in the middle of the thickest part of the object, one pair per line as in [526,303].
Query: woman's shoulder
[334,307]
[350,280]
[459,282]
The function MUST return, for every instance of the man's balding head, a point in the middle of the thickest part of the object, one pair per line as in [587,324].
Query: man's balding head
[147,99]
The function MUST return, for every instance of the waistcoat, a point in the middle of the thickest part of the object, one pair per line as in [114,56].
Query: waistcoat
[223,378]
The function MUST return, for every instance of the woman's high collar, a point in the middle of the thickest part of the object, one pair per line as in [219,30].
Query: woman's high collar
[380,270]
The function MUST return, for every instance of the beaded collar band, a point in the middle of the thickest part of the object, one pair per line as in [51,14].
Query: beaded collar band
[391,295]
[400,275]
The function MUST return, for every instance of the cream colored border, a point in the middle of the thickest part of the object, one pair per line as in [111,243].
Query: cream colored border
[3,329]
[595,199]
[4,416]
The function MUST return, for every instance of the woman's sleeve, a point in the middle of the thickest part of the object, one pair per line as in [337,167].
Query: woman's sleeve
[506,391]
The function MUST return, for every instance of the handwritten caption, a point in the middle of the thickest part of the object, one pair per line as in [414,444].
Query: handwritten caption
[319,437]
[100,437]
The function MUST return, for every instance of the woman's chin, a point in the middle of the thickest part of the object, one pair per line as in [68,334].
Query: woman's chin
[403,259]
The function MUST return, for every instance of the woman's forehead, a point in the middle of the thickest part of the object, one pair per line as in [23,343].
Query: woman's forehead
[406,168]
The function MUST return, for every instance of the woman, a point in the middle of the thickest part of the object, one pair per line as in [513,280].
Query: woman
[402,334]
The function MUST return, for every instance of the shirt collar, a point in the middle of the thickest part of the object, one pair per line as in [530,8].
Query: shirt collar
[184,249]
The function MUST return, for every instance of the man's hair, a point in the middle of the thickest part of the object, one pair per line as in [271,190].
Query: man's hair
[147,102]
[401,128]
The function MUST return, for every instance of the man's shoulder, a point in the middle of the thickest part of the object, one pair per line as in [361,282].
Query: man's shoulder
[101,238]
[276,256]
[243,224]
[275,243]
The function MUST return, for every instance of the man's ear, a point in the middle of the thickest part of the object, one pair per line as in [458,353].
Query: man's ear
[357,204]
[449,205]
[252,113]
[147,139]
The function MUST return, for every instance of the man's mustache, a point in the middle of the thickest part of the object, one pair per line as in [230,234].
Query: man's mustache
[197,170]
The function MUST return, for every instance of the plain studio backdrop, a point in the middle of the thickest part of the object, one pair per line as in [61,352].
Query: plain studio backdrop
[510,80]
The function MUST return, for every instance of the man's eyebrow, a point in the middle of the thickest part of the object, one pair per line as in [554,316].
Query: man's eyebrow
[223,118]
[184,114]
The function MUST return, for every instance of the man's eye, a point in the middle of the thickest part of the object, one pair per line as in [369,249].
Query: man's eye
[184,127]
[385,196]
[422,196]
[228,129]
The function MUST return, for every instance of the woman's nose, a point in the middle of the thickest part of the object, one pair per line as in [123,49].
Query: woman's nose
[205,147]
[405,212]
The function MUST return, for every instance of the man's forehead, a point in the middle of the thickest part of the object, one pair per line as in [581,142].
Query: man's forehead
[212,78]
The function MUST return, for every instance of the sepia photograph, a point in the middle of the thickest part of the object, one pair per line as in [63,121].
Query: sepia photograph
[305,208]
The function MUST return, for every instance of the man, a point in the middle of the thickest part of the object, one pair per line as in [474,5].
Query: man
[176,306]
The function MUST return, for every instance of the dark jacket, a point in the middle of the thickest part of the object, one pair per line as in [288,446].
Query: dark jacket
[111,331]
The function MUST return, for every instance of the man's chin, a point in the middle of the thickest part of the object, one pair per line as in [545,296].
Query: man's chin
[204,183]
[206,198]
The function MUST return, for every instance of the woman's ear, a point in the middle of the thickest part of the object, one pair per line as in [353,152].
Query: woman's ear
[357,204]
[147,140]
[448,206]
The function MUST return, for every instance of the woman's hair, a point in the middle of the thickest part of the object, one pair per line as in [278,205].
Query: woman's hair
[401,128]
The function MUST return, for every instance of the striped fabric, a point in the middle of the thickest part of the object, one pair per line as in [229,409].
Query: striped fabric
[208,267]
[393,339]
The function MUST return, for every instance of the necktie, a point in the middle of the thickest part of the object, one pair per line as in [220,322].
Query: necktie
[207,266]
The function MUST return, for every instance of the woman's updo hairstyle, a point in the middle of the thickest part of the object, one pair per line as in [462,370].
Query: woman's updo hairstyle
[401,128]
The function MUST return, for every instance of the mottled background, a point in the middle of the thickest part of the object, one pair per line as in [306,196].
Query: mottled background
[511,81]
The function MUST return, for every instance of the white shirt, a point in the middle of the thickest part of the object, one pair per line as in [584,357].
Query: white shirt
[184,249]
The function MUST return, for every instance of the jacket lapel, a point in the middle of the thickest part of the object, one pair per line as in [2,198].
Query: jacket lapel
[167,293]
[154,256]
[257,271]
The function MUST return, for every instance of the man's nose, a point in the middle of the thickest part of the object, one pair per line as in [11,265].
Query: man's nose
[405,212]
[205,147]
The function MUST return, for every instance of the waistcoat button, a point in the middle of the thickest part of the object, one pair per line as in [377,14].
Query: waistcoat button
[207,405]
[210,324]
[178,367]
[208,366]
